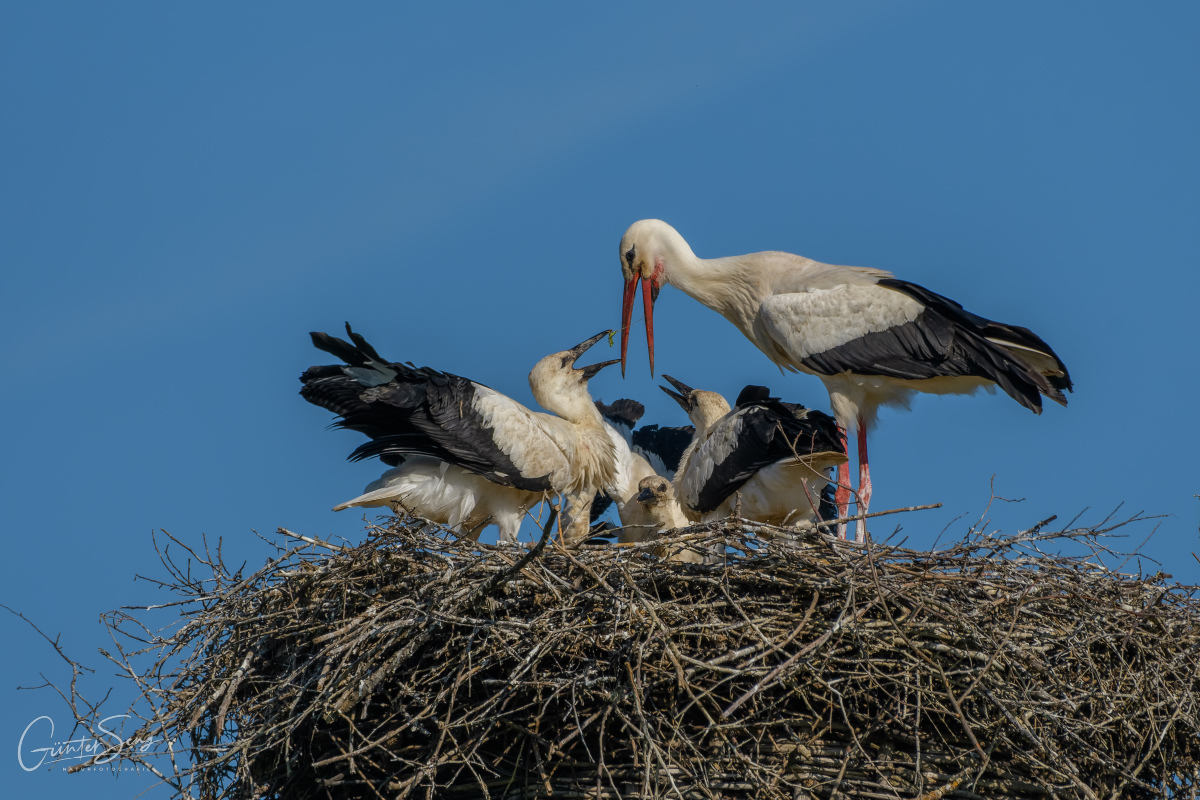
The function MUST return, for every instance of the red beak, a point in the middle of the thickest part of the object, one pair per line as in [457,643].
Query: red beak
[627,316]
[648,298]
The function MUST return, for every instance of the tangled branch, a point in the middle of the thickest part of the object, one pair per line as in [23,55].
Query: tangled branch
[414,665]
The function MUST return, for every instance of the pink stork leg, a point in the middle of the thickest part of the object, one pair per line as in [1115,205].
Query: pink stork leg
[842,495]
[864,481]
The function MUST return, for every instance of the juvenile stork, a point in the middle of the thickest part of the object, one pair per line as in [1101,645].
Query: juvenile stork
[461,431]
[660,447]
[638,523]
[641,487]
[772,457]
[656,496]
[872,339]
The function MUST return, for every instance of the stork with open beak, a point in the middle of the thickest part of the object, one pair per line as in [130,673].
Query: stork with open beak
[439,418]
[770,456]
[874,340]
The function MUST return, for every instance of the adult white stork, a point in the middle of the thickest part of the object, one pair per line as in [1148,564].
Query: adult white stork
[770,456]
[873,340]
[475,430]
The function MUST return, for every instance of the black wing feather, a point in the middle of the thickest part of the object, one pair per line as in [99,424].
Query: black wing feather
[622,412]
[419,412]
[767,432]
[362,344]
[600,503]
[827,507]
[1017,334]
[945,340]
[666,443]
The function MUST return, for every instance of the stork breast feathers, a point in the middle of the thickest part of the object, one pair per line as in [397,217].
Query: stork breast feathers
[807,323]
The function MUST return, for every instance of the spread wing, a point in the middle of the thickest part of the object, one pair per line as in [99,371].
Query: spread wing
[406,410]
[622,414]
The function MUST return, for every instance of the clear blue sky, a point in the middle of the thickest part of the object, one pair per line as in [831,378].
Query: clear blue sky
[185,192]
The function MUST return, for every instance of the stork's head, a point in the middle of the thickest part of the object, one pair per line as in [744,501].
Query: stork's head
[561,387]
[648,249]
[703,408]
[654,491]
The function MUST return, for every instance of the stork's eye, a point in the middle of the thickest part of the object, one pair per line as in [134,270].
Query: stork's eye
[629,254]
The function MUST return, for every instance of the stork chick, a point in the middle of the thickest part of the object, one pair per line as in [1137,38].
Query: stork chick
[657,498]
[770,456]
[437,415]
[631,468]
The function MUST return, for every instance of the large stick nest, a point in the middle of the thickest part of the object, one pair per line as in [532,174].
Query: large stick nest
[415,665]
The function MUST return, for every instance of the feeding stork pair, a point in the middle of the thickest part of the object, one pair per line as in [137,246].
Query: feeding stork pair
[872,339]
[463,454]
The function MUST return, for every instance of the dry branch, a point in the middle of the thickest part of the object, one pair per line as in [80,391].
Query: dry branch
[803,666]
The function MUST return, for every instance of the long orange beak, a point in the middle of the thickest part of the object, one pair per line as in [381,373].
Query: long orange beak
[648,298]
[627,316]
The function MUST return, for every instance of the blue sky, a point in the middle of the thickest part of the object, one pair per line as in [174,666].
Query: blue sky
[187,191]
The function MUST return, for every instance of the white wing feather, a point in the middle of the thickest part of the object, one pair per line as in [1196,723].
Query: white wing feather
[520,434]
[721,441]
[802,324]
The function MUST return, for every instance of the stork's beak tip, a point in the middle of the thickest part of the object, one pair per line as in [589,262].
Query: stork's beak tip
[581,348]
[590,371]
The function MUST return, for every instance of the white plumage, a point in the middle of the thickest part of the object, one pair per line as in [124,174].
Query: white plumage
[637,524]
[801,324]
[872,339]
[500,454]
[450,496]
[767,459]
[656,497]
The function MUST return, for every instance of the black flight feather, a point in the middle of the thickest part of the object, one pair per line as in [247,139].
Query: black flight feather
[362,344]
[971,325]
[766,431]
[600,503]
[935,345]
[1016,334]
[420,411]
[622,412]
[666,443]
